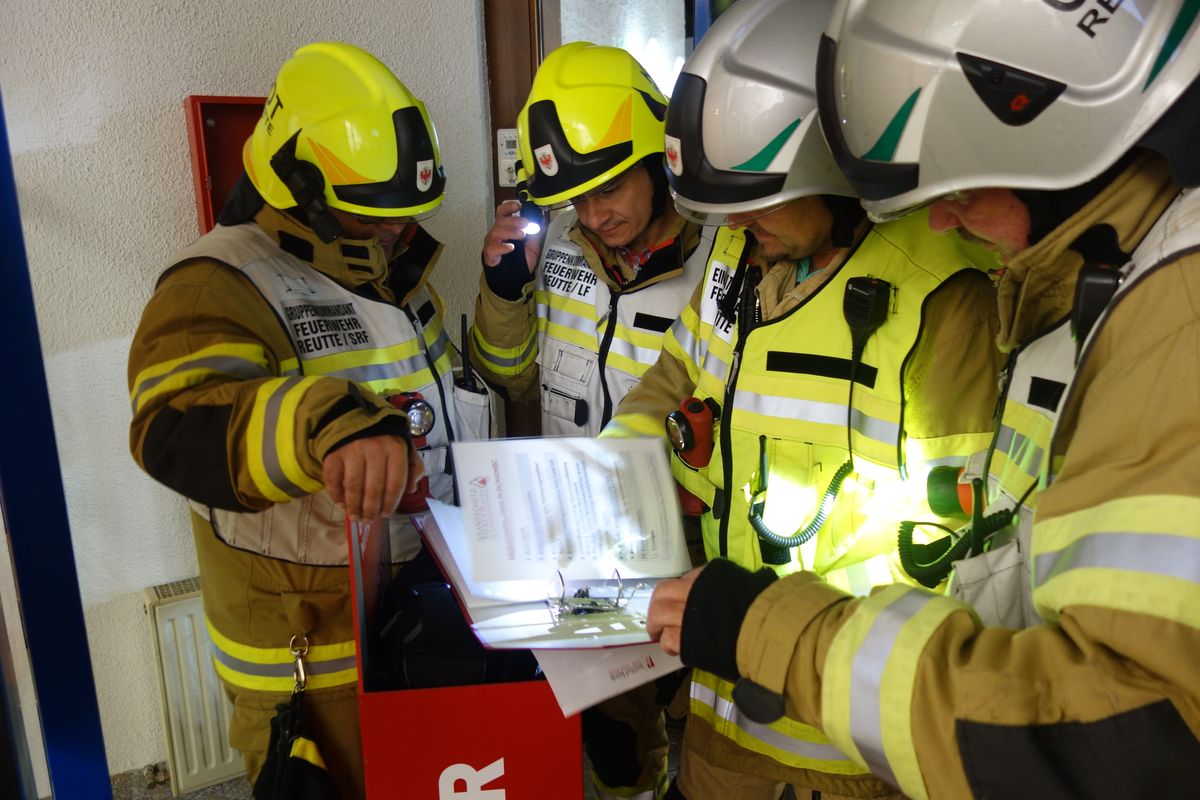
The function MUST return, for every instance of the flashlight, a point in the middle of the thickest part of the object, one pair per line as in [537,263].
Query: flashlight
[690,432]
[533,215]
[421,420]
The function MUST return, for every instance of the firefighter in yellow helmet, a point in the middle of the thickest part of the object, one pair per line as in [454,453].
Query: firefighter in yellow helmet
[260,375]
[576,313]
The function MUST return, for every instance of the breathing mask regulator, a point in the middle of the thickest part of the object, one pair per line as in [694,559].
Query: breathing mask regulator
[426,642]
[865,308]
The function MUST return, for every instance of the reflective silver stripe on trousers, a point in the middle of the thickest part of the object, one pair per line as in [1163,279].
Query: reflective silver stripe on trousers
[866,677]
[1150,553]
[270,452]
[1012,444]
[816,411]
[283,670]
[508,363]
[728,710]
[223,365]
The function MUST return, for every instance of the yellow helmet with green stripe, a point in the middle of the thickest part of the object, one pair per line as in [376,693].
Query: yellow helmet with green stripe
[592,113]
[339,130]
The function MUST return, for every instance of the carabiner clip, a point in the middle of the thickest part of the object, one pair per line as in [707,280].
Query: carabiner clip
[298,672]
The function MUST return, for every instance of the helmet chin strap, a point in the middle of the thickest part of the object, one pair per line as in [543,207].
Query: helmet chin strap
[657,171]
[307,185]
[847,214]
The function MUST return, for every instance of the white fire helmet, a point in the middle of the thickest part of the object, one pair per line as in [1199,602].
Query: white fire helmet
[923,98]
[742,134]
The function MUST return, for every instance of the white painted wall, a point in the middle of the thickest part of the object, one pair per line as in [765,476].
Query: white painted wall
[93,93]
[652,32]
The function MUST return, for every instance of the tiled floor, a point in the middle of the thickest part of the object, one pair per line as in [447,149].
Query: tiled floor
[132,785]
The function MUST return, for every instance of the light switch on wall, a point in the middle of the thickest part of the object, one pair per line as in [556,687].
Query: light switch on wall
[506,156]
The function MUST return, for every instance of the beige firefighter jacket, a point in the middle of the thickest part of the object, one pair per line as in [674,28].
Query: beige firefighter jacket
[1107,693]
[190,432]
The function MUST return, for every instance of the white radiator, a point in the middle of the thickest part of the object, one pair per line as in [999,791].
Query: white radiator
[195,709]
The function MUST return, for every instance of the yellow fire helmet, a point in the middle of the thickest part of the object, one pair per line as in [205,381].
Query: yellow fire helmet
[339,130]
[592,113]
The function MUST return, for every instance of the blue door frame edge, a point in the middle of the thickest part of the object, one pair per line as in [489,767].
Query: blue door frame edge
[35,517]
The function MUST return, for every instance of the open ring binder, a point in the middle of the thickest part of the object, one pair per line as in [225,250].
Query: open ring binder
[610,597]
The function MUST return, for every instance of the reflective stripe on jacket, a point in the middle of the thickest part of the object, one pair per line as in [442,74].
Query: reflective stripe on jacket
[1142,541]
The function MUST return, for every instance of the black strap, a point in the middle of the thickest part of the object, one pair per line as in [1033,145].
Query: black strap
[728,304]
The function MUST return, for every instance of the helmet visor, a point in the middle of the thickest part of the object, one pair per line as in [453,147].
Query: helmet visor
[887,211]
[604,192]
[405,219]
[727,215]
[872,180]
[882,212]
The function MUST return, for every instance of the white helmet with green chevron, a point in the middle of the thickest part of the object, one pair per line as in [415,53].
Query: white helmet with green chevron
[922,98]
[742,134]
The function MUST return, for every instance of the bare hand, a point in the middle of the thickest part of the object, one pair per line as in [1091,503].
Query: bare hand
[664,619]
[510,226]
[367,477]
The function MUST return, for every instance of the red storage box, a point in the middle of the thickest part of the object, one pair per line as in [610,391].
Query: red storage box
[500,741]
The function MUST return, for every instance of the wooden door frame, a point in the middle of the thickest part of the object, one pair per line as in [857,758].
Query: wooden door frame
[516,36]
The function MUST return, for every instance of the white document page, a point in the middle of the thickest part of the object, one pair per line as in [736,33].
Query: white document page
[521,613]
[447,538]
[583,508]
[582,678]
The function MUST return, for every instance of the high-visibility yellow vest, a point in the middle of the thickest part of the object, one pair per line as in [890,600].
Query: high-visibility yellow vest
[785,402]
[783,389]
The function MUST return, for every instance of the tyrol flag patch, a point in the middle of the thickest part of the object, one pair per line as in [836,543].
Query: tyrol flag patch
[547,163]
[424,174]
[674,153]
